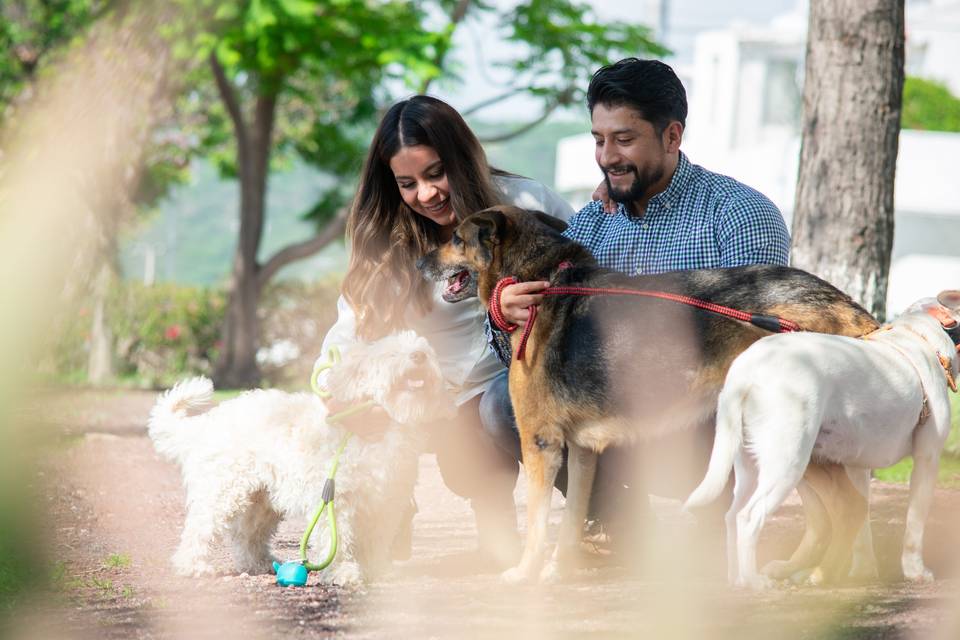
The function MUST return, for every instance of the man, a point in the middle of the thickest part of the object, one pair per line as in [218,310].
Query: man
[670,215]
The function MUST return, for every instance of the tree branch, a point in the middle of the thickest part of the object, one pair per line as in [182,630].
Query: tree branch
[523,129]
[483,104]
[456,17]
[229,97]
[294,252]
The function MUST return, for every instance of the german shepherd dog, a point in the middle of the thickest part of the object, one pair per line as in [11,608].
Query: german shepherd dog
[614,370]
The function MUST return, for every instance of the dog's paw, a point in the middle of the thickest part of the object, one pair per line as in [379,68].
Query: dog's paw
[778,569]
[345,574]
[551,572]
[757,582]
[192,568]
[515,575]
[918,575]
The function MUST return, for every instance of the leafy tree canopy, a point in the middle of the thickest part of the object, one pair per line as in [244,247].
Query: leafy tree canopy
[30,30]
[331,65]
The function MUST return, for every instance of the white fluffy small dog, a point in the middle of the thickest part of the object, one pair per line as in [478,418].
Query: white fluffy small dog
[265,455]
[863,403]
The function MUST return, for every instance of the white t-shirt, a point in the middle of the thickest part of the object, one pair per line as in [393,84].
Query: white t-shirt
[455,330]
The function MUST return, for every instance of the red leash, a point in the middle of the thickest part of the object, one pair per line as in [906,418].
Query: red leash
[769,323]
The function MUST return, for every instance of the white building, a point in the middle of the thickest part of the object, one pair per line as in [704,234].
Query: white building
[744,94]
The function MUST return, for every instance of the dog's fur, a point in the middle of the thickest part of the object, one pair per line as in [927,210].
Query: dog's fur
[265,455]
[607,370]
[849,401]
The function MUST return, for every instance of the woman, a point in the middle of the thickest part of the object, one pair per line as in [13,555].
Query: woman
[425,171]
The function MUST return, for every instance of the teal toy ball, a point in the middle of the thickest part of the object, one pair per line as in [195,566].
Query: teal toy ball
[290,574]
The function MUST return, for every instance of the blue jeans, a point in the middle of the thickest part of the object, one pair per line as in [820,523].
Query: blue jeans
[612,499]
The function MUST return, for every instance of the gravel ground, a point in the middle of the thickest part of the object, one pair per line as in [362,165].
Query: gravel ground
[116,510]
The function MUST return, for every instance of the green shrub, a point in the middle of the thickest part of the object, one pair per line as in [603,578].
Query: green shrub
[166,330]
[930,106]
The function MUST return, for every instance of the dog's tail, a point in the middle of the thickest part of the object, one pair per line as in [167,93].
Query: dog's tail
[726,443]
[171,409]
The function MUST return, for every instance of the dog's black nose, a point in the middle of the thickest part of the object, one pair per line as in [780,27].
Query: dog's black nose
[418,357]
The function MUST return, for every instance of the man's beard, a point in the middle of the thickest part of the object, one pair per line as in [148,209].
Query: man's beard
[638,189]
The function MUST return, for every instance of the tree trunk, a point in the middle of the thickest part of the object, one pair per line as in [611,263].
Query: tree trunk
[237,366]
[843,221]
[100,361]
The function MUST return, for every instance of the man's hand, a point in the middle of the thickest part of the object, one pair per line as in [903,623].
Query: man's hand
[515,300]
[369,425]
[601,194]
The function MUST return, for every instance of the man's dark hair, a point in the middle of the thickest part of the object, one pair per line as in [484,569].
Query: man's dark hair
[648,86]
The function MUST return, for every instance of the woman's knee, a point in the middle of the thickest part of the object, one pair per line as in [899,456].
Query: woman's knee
[496,414]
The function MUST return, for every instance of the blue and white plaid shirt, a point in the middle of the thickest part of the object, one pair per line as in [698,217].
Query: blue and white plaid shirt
[703,220]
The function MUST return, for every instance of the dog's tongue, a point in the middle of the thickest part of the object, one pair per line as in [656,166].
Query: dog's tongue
[456,282]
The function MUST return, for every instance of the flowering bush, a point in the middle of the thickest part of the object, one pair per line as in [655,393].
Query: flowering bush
[168,331]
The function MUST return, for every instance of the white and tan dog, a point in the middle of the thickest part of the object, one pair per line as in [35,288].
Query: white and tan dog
[864,403]
[265,455]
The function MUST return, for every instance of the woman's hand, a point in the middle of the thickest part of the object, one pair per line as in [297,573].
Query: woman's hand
[369,424]
[516,299]
[601,194]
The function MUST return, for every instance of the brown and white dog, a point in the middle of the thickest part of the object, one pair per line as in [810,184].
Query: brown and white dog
[612,370]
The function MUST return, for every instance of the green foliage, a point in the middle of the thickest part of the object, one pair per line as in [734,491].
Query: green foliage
[30,30]
[948,476]
[117,561]
[566,44]
[168,331]
[929,105]
[161,332]
[333,65]
[323,61]
[165,329]
[20,557]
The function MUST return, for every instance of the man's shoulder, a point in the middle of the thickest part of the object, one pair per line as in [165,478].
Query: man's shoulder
[588,217]
[593,209]
[726,194]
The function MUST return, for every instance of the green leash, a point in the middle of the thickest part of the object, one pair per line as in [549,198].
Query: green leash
[326,505]
[329,486]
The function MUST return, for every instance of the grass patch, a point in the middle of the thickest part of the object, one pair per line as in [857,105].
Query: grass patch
[227,394]
[105,585]
[948,476]
[953,440]
[117,561]
[58,574]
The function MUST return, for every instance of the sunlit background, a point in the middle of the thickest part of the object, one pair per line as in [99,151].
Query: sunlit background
[119,222]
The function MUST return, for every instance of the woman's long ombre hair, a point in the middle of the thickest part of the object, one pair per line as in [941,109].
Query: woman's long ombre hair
[386,236]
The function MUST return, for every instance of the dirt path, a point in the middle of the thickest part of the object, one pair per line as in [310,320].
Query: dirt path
[116,511]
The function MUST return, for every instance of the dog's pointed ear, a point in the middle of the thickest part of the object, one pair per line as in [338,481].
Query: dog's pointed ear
[950,299]
[489,224]
[554,223]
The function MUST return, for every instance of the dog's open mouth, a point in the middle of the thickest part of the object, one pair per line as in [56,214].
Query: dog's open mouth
[415,380]
[458,286]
